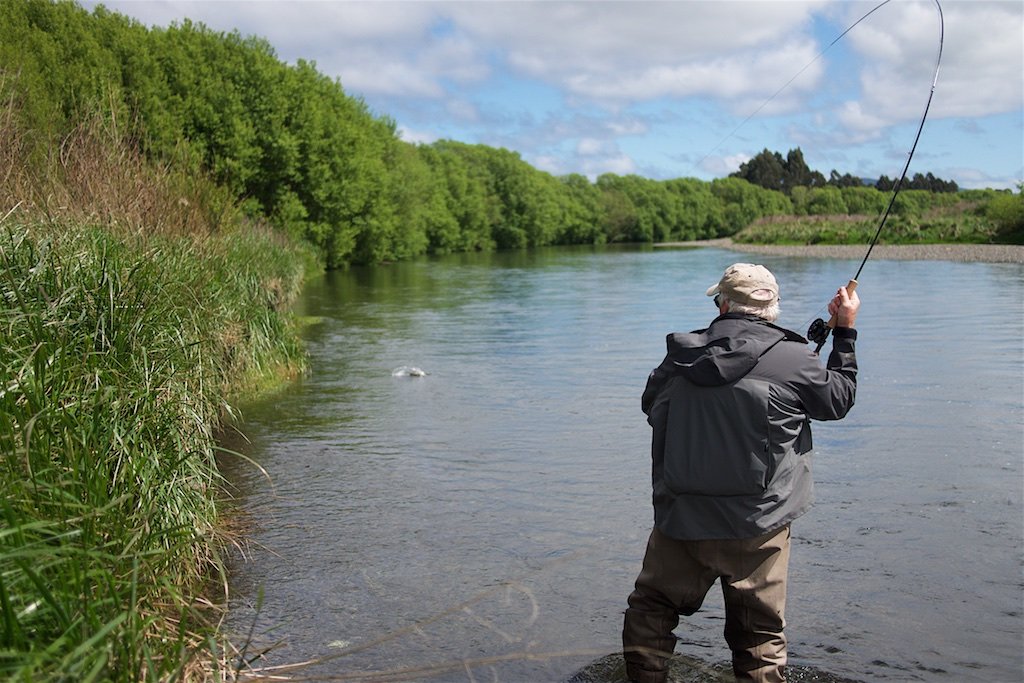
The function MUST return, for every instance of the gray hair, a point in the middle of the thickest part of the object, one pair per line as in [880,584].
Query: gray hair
[769,313]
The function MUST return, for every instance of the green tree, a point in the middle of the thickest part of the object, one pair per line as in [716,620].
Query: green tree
[766,169]
[843,181]
[647,221]
[701,213]
[619,217]
[826,201]
[743,203]
[473,199]
[770,171]
[1006,211]
[580,211]
[864,200]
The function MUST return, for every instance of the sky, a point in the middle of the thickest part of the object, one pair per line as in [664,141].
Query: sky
[668,89]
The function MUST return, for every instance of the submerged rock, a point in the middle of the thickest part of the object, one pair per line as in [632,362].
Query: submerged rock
[683,669]
[408,371]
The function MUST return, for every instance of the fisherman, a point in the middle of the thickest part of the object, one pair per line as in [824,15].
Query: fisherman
[730,407]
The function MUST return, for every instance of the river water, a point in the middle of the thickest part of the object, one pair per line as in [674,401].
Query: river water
[485,522]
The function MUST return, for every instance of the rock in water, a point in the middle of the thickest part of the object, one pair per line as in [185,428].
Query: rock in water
[684,669]
[408,371]
[681,669]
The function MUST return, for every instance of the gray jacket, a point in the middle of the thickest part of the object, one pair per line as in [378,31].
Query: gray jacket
[730,408]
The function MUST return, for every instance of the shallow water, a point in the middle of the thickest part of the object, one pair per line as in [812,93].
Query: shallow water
[486,521]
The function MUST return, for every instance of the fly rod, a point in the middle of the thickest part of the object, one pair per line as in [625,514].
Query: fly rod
[819,330]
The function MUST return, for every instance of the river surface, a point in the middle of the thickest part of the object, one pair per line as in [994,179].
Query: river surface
[485,522]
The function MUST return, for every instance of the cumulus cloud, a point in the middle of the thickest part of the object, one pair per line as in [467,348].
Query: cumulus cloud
[416,136]
[601,68]
[636,51]
[619,164]
[723,165]
[982,60]
[617,51]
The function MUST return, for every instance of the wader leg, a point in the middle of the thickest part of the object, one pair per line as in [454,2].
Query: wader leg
[755,604]
[672,582]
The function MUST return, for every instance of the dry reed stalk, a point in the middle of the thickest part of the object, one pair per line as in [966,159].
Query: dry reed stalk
[97,174]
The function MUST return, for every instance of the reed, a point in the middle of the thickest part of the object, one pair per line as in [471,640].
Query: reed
[118,356]
[135,303]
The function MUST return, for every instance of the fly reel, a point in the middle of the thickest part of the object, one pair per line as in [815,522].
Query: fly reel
[818,333]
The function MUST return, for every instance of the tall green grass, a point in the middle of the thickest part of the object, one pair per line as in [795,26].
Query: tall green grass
[958,224]
[118,355]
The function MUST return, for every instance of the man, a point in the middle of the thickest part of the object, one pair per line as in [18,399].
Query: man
[730,407]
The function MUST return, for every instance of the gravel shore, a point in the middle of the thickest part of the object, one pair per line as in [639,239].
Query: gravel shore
[984,253]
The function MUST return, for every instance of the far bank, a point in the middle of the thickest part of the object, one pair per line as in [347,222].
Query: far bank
[963,253]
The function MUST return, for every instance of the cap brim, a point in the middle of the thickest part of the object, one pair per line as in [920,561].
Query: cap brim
[713,290]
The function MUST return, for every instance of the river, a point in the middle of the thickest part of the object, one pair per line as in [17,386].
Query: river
[485,522]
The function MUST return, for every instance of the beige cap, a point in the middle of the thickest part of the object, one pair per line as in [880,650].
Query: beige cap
[749,284]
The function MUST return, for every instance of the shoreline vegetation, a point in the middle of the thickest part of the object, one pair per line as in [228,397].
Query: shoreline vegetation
[120,355]
[963,253]
[165,193]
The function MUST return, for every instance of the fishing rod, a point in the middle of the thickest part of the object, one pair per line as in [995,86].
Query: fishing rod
[819,330]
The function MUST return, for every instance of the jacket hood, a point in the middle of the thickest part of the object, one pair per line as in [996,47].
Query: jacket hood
[725,351]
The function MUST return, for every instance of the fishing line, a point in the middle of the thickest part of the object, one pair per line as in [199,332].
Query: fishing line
[819,330]
[788,83]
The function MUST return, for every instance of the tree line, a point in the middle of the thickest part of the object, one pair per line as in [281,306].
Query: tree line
[294,149]
[768,169]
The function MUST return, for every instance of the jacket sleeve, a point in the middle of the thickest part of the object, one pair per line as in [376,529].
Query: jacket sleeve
[829,393]
[655,381]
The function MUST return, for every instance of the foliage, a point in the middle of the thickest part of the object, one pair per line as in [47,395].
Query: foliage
[579,204]
[745,203]
[769,170]
[119,353]
[134,300]
[826,201]
[701,213]
[141,288]
[1006,211]
[918,182]
[862,200]
[286,144]
[962,227]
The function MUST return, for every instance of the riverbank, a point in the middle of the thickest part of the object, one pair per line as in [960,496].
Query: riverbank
[120,353]
[963,253]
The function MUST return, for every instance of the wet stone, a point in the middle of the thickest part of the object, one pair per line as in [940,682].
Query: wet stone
[684,669]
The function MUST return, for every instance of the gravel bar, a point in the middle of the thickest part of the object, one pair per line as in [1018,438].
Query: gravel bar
[984,253]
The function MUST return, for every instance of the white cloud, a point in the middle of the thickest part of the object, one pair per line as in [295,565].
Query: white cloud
[590,147]
[863,125]
[551,79]
[416,137]
[723,165]
[619,164]
[982,68]
[974,179]
[393,78]
[636,51]
[614,50]
[552,164]
[463,110]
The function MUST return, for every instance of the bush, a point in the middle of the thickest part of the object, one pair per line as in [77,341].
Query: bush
[1006,211]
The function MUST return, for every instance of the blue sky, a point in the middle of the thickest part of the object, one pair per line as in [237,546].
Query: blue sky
[668,89]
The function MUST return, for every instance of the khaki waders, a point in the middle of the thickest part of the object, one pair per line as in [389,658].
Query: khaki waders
[675,579]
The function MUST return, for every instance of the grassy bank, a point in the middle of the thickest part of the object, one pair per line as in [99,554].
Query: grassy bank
[135,302]
[118,356]
[953,225]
